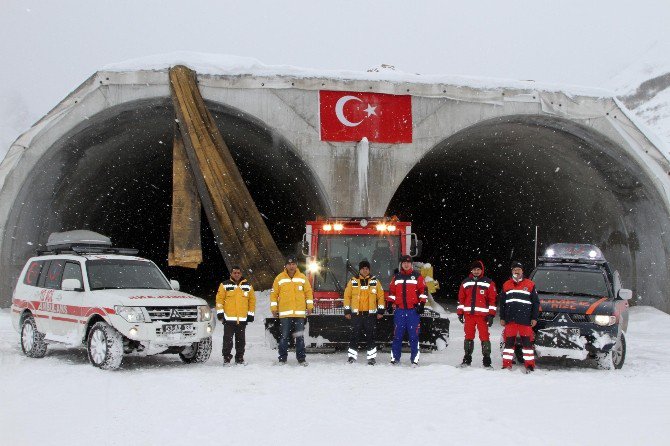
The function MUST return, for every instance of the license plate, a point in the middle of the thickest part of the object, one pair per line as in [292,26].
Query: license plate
[174,329]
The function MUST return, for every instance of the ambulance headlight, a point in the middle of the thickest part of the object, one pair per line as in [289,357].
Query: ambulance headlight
[130,314]
[381,227]
[327,227]
[338,226]
[204,313]
[313,267]
[604,320]
[390,228]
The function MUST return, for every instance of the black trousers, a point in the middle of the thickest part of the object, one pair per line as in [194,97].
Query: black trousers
[363,323]
[230,329]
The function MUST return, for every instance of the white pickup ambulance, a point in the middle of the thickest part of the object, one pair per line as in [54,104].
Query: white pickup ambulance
[82,291]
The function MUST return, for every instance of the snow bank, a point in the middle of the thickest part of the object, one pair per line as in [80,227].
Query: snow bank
[159,400]
[223,64]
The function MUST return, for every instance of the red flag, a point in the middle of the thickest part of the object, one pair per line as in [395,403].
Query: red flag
[351,116]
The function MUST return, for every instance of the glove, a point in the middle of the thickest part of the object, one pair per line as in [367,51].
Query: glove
[489,320]
[250,318]
[419,308]
[461,319]
[389,308]
[219,316]
[347,311]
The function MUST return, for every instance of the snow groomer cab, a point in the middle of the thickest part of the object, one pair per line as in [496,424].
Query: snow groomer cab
[583,306]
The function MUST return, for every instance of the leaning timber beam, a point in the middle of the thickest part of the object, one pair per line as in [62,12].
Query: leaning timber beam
[238,227]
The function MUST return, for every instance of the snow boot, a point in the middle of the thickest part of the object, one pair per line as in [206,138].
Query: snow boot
[529,369]
[241,362]
[303,362]
[351,360]
[486,352]
[469,347]
[226,363]
[415,365]
[372,361]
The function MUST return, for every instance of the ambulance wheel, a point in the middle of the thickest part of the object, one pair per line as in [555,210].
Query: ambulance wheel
[198,352]
[104,346]
[32,341]
[614,358]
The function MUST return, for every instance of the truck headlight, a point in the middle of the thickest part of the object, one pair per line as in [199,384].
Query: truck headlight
[313,267]
[603,320]
[204,313]
[130,314]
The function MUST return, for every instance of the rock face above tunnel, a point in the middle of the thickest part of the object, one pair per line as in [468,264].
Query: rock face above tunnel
[485,166]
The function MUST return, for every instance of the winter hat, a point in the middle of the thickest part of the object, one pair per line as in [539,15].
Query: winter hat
[405,258]
[363,264]
[477,264]
[291,259]
[516,264]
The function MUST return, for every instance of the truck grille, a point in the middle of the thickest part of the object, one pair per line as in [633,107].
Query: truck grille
[548,315]
[580,317]
[173,314]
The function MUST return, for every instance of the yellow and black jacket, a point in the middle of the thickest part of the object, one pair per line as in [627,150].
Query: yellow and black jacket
[291,296]
[364,294]
[236,301]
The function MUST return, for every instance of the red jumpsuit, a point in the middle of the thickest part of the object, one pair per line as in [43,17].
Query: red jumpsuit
[477,301]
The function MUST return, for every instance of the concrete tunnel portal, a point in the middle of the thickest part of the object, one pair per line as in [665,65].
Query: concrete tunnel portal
[478,194]
[113,175]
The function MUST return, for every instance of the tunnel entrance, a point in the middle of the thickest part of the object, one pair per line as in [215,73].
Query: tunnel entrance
[481,193]
[113,175]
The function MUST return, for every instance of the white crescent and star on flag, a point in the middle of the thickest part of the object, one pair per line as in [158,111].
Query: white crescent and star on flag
[339,110]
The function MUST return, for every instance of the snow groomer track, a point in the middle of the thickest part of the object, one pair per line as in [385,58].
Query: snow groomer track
[569,160]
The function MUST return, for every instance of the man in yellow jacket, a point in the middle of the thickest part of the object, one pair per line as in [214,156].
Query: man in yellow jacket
[291,300]
[363,305]
[235,307]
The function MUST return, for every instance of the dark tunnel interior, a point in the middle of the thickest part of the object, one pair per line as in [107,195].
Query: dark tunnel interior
[115,177]
[480,194]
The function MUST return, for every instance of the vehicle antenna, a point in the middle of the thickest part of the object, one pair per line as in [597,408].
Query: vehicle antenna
[536,228]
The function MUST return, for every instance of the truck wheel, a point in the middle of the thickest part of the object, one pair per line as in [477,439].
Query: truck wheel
[32,341]
[197,352]
[104,346]
[614,358]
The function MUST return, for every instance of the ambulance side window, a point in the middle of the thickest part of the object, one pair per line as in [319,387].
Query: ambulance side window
[53,276]
[72,271]
[33,273]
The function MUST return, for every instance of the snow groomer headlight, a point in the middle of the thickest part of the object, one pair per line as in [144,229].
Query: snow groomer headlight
[130,314]
[204,313]
[603,320]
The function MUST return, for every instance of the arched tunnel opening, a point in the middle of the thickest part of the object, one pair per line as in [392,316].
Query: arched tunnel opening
[113,174]
[481,193]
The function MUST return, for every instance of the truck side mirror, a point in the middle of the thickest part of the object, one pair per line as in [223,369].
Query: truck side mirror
[415,246]
[71,285]
[304,246]
[174,284]
[625,294]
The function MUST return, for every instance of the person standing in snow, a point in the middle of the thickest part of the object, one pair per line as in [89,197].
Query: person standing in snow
[408,295]
[363,305]
[476,310]
[235,307]
[519,310]
[291,301]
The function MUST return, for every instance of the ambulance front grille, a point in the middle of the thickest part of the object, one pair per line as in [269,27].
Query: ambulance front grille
[173,314]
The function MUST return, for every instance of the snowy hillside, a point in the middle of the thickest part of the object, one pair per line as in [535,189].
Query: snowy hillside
[644,87]
[160,401]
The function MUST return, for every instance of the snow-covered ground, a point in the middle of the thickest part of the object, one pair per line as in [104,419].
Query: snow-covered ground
[61,399]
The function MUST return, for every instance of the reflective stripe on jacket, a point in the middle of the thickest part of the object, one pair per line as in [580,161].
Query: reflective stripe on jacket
[236,300]
[519,302]
[407,289]
[364,294]
[291,296]
[477,296]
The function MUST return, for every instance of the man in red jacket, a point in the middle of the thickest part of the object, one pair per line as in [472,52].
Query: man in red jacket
[407,293]
[476,310]
[519,309]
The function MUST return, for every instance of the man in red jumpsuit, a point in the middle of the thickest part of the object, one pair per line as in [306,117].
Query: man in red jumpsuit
[476,310]
[519,310]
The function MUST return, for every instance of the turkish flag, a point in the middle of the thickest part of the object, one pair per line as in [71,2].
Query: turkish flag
[351,116]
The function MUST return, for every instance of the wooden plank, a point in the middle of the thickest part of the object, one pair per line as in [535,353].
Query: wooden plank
[185,249]
[238,227]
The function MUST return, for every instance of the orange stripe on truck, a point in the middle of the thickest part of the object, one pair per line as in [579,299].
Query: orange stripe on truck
[595,304]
